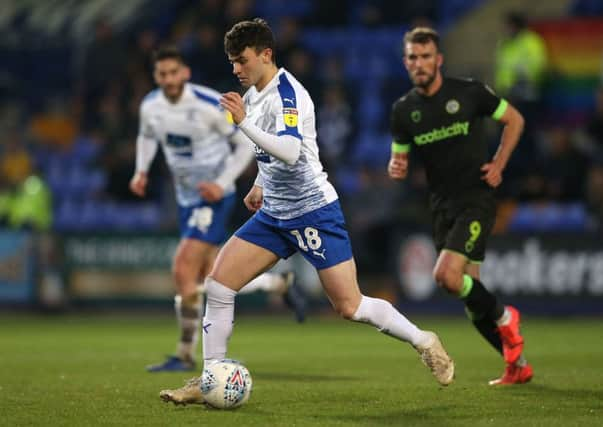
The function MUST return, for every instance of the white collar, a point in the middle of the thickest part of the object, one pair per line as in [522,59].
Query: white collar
[258,96]
[187,93]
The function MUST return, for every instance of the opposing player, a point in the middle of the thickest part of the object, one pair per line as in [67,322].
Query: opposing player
[440,118]
[196,137]
[297,209]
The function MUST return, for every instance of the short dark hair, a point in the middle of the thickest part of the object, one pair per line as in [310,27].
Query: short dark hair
[168,51]
[422,35]
[255,34]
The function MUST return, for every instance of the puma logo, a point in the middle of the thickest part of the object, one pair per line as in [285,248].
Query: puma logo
[291,100]
[320,254]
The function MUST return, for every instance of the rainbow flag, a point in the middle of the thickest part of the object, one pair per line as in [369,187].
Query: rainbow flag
[575,49]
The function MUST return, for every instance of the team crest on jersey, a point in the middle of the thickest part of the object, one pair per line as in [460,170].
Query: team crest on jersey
[290,117]
[415,116]
[452,106]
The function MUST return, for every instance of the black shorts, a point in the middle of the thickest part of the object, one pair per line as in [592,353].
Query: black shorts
[463,224]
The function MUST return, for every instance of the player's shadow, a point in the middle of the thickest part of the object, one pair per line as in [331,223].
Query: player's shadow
[431,414]
[300,377]
[543,390]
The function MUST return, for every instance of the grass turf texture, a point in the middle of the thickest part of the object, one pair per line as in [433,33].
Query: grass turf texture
[89,370]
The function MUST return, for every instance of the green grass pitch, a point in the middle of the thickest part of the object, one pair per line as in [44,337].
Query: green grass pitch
[89,370]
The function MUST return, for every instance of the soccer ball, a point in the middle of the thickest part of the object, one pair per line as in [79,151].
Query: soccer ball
[225,384]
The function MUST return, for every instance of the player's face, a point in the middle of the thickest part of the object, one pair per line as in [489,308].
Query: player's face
[170,76]
[250,66]
[423,62]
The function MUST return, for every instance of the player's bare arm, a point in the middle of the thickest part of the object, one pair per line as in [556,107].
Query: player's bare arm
[138,184]
[513,126]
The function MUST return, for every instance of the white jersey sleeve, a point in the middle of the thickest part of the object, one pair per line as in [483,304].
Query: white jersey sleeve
[242,153]
[146,142]
[221,121]
[237,161]
[283,147]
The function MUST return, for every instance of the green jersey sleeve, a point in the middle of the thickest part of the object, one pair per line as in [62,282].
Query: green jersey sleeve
[488,103]
[398,129]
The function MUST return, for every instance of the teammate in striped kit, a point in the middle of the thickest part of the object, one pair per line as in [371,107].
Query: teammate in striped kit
[196,136]
[297,210]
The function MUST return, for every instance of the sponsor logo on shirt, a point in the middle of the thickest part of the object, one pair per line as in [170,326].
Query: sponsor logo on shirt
[261,155]
[290,117]
[445,132]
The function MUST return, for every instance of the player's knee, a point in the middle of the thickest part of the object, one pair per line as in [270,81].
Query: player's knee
[183,272]
[447,278]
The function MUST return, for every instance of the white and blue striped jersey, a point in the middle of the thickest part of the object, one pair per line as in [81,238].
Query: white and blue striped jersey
[284,107]
[194,135]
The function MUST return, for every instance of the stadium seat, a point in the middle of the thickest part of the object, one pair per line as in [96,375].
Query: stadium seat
[550,217]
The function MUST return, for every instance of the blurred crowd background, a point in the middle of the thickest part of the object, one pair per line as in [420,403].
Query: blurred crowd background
[73,74]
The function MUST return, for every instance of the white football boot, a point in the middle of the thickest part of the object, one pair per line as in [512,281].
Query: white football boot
[435,357]
[189,393]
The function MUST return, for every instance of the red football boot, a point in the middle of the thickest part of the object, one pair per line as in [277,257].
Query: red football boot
[512,340]
[514,375]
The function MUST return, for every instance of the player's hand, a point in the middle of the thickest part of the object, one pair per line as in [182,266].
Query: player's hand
[233,102]
[138,184]
[253,199]
[210,191]
[398,166]
[492,174]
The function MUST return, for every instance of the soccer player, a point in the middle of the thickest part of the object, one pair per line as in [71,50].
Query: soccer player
[297,209]
[196,136]
[440,118]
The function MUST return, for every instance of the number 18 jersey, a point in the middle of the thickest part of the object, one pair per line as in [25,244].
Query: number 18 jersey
[284,107]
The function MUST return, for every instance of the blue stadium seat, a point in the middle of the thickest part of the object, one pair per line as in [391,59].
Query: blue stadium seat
[551,217]
[274,9]
[586,8]
[372,150]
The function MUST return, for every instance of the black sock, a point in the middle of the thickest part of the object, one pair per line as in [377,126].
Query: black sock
[480,302]
[483,308]
[487,329]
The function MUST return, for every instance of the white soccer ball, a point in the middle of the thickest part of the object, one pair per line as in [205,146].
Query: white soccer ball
[225,384]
